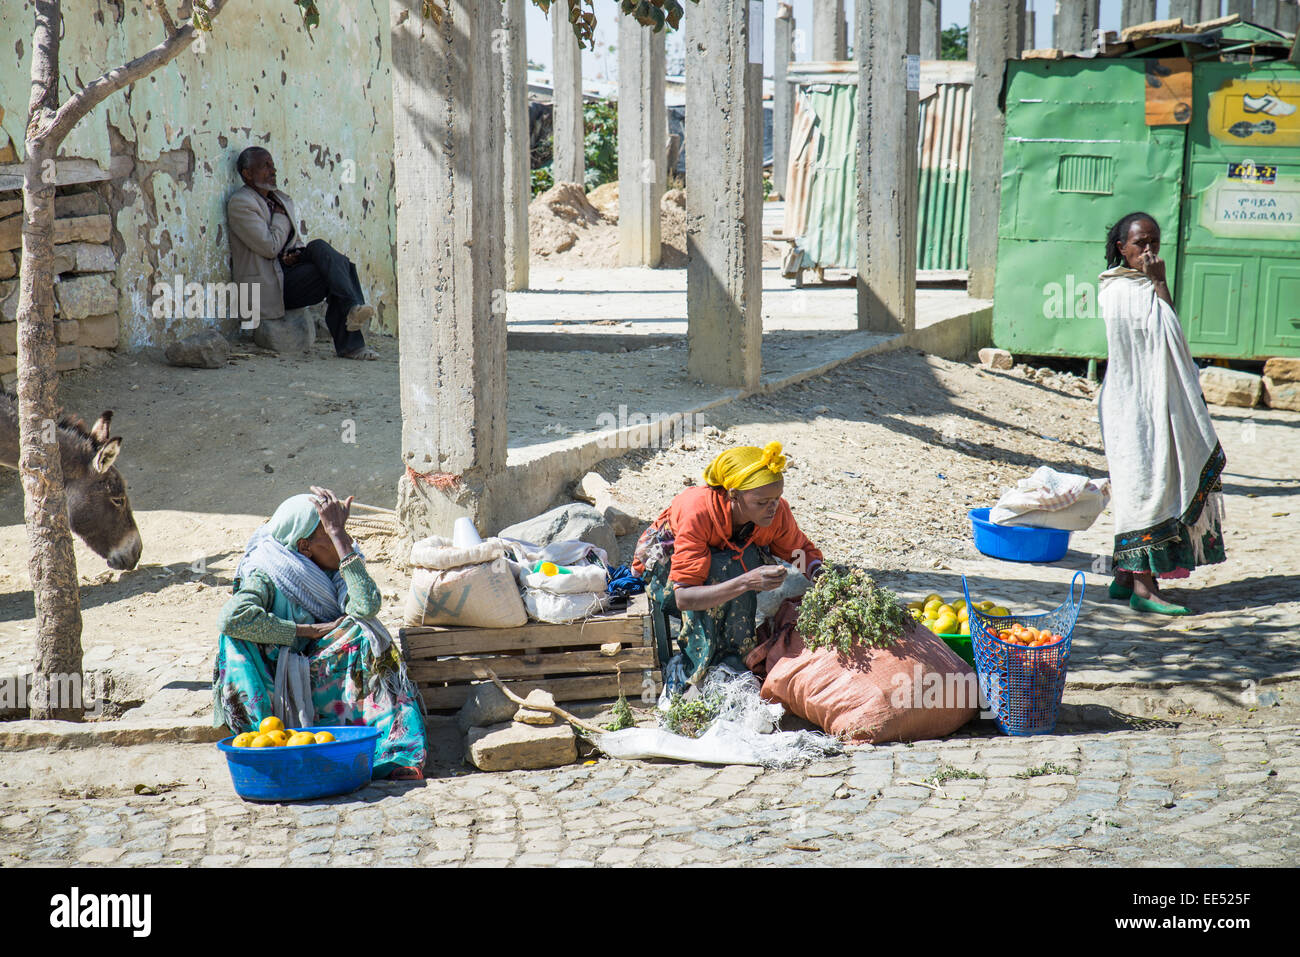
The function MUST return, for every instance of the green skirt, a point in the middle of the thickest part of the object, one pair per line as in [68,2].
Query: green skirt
[714,636]
[1167,550]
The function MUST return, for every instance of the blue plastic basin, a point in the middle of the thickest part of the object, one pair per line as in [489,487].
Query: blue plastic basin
[305,772]
[1017,543]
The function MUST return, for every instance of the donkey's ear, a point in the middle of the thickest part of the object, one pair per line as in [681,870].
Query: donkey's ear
[100,432]
[106,456]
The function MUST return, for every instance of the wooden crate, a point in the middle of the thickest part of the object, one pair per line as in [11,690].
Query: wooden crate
[565,660]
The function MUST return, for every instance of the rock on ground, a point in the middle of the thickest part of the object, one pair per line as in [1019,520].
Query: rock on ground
[516,747]
[529,715]
[296,332]
[487,705]
[1281,394]
[576,522]
[207,350]
[996,359]
[1230,387]
[1283,370]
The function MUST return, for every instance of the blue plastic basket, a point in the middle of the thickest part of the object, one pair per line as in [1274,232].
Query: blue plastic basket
[1017,543]
[1024,686]
[305,772]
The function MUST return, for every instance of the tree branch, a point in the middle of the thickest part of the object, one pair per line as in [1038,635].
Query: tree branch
[100,89]
[161,7]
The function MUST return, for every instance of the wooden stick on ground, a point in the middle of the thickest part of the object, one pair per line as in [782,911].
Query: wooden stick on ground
[557,711]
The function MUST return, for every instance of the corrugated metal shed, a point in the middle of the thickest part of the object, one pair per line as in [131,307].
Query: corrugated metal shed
[821,205]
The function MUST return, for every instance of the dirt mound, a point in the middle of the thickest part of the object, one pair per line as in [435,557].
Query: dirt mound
[570,228]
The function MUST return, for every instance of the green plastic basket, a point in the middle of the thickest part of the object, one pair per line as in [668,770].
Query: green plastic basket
[961,644]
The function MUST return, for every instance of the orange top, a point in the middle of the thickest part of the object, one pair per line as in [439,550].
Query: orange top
[700,521]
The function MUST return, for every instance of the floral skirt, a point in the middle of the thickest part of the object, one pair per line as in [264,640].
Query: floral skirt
[707,637]
[349,686]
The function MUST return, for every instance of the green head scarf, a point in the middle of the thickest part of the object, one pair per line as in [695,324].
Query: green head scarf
[296,518]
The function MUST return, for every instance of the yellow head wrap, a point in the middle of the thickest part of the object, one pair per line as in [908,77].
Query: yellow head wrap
[746,467]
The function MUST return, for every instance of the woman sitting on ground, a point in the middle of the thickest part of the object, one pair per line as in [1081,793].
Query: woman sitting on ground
[1164,455]
[299,639]
[711,551]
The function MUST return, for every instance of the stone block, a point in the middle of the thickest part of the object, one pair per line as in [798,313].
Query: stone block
[65,260]
[1230,387]
[515,747]
[84,296]
[8,365]
[487,705]
[295,333]
[1281,395]
[8,265]
[87,257]
[9,380]
[996,359]
[529,715]
[73,205]
[576,522]
[67,330]
[83,229]
[1279,369]
[9,301]
[100,331]
[594,489]
[8,338]
[207,350]
[67,357]
[11,231]
[10,206]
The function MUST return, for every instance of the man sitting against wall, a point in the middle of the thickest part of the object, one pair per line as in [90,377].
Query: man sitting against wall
[266,248]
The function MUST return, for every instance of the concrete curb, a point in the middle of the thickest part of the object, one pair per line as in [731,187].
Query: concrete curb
[58,735]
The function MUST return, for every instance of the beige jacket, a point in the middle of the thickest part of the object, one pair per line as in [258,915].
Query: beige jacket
[256,238]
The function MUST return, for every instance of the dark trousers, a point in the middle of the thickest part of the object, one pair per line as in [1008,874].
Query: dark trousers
[325,273]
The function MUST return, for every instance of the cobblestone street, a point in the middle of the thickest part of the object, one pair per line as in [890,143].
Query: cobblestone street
[1136,798]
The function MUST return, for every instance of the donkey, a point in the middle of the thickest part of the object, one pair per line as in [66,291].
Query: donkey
[98,508]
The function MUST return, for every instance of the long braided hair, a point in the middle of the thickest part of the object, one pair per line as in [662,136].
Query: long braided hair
[1119,233]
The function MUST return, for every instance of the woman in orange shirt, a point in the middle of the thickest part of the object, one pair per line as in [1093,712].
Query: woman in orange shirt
[706,557]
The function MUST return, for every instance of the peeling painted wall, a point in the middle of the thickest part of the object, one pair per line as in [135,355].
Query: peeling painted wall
[321,104]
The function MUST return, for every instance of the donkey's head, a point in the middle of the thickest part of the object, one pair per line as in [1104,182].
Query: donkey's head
[98,508]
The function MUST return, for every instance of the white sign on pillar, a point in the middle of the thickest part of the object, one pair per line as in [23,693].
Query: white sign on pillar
[913,72]
[755,31]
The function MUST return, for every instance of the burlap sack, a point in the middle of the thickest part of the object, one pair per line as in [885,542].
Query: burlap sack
[462,587]
[914,690]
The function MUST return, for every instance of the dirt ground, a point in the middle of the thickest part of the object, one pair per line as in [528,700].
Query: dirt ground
[887,453]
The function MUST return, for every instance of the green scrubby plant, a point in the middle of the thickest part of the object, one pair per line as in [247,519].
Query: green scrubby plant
[622,712]
[845,609]
[690,718]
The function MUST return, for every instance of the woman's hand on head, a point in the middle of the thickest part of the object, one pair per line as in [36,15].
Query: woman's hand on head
[333,513]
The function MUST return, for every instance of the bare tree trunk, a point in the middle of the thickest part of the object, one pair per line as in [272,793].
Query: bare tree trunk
[52,563]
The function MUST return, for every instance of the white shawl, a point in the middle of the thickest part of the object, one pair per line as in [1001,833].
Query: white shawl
[1154,423]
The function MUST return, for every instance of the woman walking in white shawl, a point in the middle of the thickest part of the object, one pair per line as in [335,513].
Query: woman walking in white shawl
[1165,458]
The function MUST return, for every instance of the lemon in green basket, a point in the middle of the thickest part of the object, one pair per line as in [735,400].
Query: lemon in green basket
[965,627]
[963,613]
[945,624]
[958,604]
[933,596]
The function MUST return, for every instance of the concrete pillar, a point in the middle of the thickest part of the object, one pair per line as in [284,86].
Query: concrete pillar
[931,29]
[1075,27]
[642,142]
[724,195]
[1211,10]
[829,36]
[1242,8]
[782,96]
[1031,30]
[997,23]
[447,158]
[517,143]
[888,128]
[568,164]
[1189,11]
[1137,11]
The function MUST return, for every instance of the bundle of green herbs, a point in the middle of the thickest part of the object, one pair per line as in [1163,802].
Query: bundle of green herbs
[845,609]
[691,718]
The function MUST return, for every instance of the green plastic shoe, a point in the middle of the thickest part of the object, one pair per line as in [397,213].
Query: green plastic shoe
[1156,607]
[1119,592]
